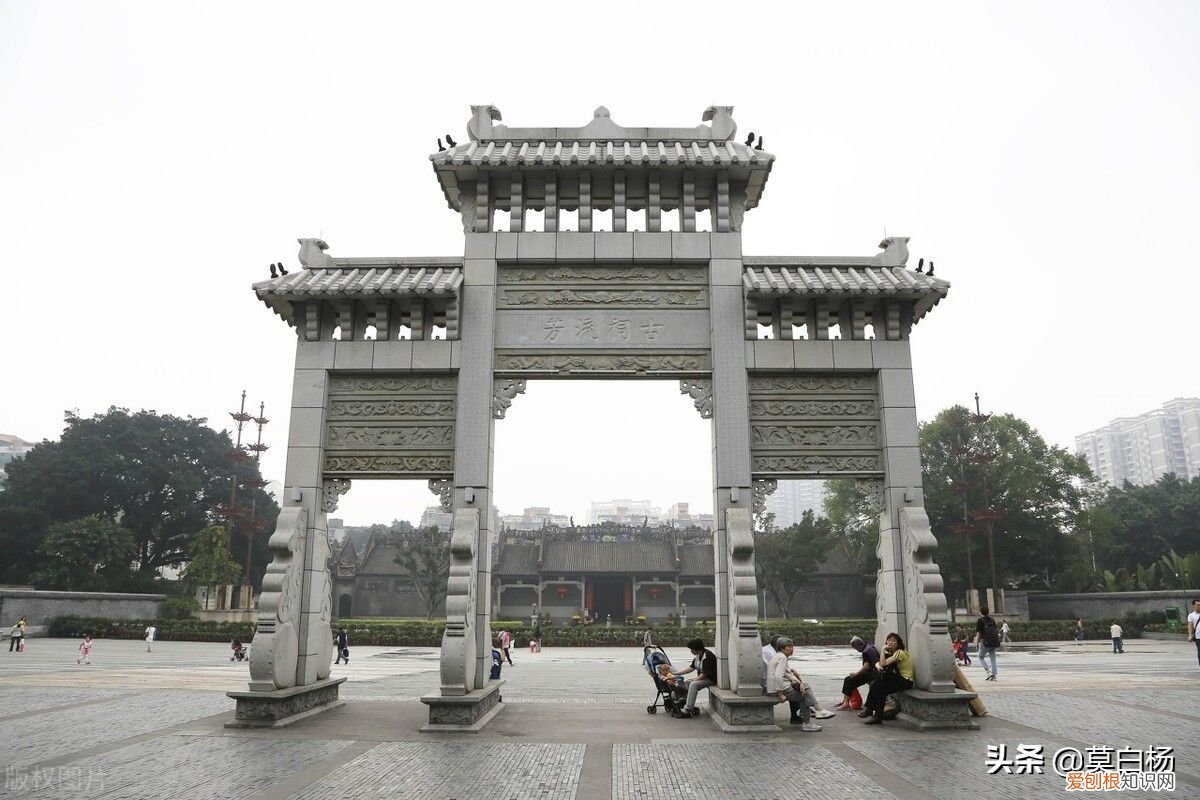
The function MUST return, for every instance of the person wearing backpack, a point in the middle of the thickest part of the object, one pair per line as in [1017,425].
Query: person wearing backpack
[988,637]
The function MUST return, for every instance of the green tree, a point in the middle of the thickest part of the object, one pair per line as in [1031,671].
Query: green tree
[423,555]
[1040,488]
[162,477]
[785,558]
[854,521]
[1141,524]
[91,554]
[210,563]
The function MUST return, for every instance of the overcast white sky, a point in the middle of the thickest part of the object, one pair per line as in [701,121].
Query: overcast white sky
[155,157]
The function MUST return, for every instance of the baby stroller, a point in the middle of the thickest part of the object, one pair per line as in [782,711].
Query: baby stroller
[669,697]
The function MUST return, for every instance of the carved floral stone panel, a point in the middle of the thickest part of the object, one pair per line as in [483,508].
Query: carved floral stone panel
[396,425]
[815,425]
[666,363]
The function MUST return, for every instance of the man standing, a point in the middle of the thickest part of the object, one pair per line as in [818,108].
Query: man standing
[648,636]
[1115,632]
[505,644]
[151,634]
[865,674]
[1194,626]
[341,643]
[1004,631]
[1079,631]
[988,637]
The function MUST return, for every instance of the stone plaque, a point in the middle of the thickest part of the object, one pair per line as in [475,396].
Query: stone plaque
[398,425]
[810,426]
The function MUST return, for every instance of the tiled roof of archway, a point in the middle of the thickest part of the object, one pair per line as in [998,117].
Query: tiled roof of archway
[812,279]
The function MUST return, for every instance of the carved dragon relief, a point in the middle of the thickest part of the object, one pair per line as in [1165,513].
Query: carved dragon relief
[275,654]
[925,603]
[635,298]
[857,436]
[812,383]
[443,409]
[556,276]
[700,390]
[458,640]
[505,390]
[391,464]
[603,363]
[354,436]
[815,464]
[744,645]
[361,384]
[814,408]
[331,491]
[444,489]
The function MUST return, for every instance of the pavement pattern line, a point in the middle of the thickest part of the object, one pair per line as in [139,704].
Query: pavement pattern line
[596,773]
[35,702]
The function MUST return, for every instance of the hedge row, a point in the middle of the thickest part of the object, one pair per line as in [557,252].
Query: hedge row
[182,630]
[428,633]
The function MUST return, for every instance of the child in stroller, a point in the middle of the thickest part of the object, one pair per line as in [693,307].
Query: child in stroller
[670,688]
[239,650]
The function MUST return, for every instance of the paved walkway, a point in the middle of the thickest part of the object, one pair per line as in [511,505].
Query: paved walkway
[138,725]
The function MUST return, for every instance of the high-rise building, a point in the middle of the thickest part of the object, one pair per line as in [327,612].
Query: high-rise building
[791,499]
[11,447]
[534,518]
[1142,449]
[681,517]
[624,511]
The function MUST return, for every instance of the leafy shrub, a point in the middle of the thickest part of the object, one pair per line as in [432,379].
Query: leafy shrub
[185,630]
[179,608]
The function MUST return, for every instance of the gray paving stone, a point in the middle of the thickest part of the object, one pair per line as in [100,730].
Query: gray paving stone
[718,771]
[955,768]
[30,740]
[27,699]
[455,771]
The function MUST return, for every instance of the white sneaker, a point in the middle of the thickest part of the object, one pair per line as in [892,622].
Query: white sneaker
[810,727]
[824,714]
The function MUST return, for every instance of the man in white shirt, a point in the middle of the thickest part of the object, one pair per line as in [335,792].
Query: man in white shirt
[1194,626]
[151,635]
[1115,632]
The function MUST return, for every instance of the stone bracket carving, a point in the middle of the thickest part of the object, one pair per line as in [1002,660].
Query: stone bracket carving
[444,489]
[502,397]
[700,391]
[762,488]
[925,603]
[744,647]
[276,639]
[333,489]
[871,489]
[458,640]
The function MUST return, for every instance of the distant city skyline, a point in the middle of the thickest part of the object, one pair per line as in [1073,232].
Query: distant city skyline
[1141,449]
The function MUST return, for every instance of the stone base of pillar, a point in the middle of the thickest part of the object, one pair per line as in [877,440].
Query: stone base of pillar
[935,711]
[465,713]
[282,707]
[733,713]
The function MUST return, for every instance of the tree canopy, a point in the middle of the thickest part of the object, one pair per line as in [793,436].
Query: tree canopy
[1039,488]
[90,554]
[211,564]
[161,477]
[854,521]
[785,558]
[423,554]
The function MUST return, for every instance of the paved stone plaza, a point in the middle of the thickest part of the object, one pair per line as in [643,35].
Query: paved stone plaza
[134,725]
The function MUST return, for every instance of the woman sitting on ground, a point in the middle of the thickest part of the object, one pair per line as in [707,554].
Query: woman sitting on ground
[895,675]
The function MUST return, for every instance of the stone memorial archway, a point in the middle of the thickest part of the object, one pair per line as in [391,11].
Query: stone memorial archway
[455,340]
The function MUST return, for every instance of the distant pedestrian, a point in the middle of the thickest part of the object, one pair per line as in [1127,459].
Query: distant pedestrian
[535,644]
[648,636]
[85,650]
[988,637]
[1005,631]
[16,637]
[1115,632]
[342,642]
[151,634]
[505,644]
[1079,631]
[1194,626]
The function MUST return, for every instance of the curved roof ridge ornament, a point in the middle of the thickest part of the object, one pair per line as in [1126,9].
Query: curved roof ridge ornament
[482,127]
